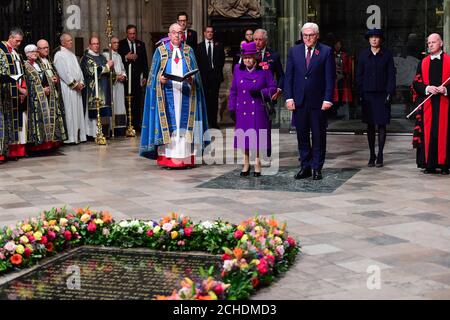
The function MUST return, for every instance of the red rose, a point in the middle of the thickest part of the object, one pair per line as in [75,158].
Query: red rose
[226,257]
[218,290]
[238,234]
[92,227]
[51,235]
[150,233]
[263,267]
[31,238]
[67,235]
[270,259]
[188,231]
[27,252]
[44,240]
[316,52]
[255,282]
[291,242]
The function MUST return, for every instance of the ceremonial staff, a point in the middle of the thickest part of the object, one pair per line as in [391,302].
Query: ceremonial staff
[429,97]
[109,34]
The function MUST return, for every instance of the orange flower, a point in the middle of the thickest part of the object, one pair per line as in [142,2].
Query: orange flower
[205,298]
[16,259]
[238,253]
[165,220]
[106,217]
[79,211]
[273,223]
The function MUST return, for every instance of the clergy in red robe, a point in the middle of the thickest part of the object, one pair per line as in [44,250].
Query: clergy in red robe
[432,134]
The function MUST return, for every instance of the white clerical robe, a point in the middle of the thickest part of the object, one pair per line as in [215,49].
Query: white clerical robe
[69,70]
[118,88]
[178,147]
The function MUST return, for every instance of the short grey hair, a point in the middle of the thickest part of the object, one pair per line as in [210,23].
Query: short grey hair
[16,32]
[63,35]
[311,25]
[173,25]
[264,33]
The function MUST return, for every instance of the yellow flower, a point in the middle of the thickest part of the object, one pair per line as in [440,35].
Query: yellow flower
[255,261]
[174,235]
[244,238]
[63,222]
[26,228]
[278,240]
[52,222]
[73,229]
[157,229]
[56,228]
[24,240]
[29,246]
[20,249]
[85,218]
[241,228]
[37,236]
[99,222]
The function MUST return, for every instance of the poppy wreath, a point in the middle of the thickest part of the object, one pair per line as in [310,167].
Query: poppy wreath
[253,253]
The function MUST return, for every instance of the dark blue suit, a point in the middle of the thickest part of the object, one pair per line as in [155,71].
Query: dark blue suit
[310,88]
[273,59]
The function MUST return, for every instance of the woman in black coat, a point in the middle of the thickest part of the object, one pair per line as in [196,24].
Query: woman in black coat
[375,77]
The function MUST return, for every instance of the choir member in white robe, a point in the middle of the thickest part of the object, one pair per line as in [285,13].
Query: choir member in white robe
[120,77]
[72,83]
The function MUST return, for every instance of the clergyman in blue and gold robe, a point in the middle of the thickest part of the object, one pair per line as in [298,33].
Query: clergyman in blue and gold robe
[93,63]
[175,119]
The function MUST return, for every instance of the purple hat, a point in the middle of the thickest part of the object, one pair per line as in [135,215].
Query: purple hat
[249,49]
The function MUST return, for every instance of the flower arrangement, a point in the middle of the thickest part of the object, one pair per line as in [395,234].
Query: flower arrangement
[253,252]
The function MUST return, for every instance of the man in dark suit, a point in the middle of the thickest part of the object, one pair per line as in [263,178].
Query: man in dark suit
[211,59]
[270,59]
[189,35]
[133,53]
[309,87]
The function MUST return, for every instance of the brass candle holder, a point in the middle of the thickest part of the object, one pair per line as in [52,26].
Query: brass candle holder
[131,133]
[100,138]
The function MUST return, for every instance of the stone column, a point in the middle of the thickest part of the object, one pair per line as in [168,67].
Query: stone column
[197,18]
[447,25]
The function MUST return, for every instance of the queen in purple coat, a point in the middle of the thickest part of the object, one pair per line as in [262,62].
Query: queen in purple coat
[251,84]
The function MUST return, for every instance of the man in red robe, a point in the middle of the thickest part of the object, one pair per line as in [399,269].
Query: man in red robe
[432,134]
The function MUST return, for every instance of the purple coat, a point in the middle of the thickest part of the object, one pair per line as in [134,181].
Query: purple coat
[246,100]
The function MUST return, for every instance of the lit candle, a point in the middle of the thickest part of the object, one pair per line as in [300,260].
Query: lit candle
[96,80]
[129,79]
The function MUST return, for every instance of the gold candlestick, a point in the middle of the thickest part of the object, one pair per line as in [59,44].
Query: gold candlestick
[131,133]
[109,35]
[100,138]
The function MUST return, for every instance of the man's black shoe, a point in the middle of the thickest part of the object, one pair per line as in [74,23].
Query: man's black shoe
[445,171]
[429,171]
[317,175]
[303,174]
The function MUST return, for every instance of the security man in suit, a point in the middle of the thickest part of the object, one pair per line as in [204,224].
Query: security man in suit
[211,59]
[134,53]
[189,36]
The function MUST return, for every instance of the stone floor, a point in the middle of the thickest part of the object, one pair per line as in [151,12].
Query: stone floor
[391,224]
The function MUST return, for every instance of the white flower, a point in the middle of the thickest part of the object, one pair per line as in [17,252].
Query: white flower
[228,265]
[206,225]
[280,250]
[10,246]
[167,227]
[135,223]
[140,230]
[105,232]
[124,224]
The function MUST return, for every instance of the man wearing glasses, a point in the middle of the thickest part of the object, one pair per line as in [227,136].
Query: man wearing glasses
[188,36]
[309,87]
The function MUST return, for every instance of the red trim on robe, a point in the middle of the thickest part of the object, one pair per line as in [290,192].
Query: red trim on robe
[16,151]
[427,108]
[176,163]
[2,158]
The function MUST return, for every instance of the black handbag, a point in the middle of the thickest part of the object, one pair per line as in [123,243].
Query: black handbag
[269,107]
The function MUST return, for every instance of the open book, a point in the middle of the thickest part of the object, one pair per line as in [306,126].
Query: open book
[178,78]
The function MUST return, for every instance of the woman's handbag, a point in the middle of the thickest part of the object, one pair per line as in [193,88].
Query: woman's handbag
[269,106]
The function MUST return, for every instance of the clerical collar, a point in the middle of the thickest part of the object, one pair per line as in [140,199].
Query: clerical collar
[92,53]
[436,56]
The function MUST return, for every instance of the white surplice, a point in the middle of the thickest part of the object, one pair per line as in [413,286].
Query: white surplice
[118,88]
[69,70]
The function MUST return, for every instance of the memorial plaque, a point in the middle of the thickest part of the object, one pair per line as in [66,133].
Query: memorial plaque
[108,274]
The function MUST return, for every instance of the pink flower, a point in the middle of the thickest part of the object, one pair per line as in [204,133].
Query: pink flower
[218,289]
[181,243]
[51,235]
[44,240]
[238,234]
[92,227]
[150,233]
[270,259]
[316,52]
[27,252]
[268,54]
[31,238]
[263,267]
[266,67]
[291,241]
[67,235]
[188,231]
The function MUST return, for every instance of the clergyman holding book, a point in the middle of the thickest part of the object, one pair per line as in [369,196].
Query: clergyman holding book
[175,118]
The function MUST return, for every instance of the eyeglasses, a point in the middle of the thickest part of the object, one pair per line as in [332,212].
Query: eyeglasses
[312,35]
[177,33]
